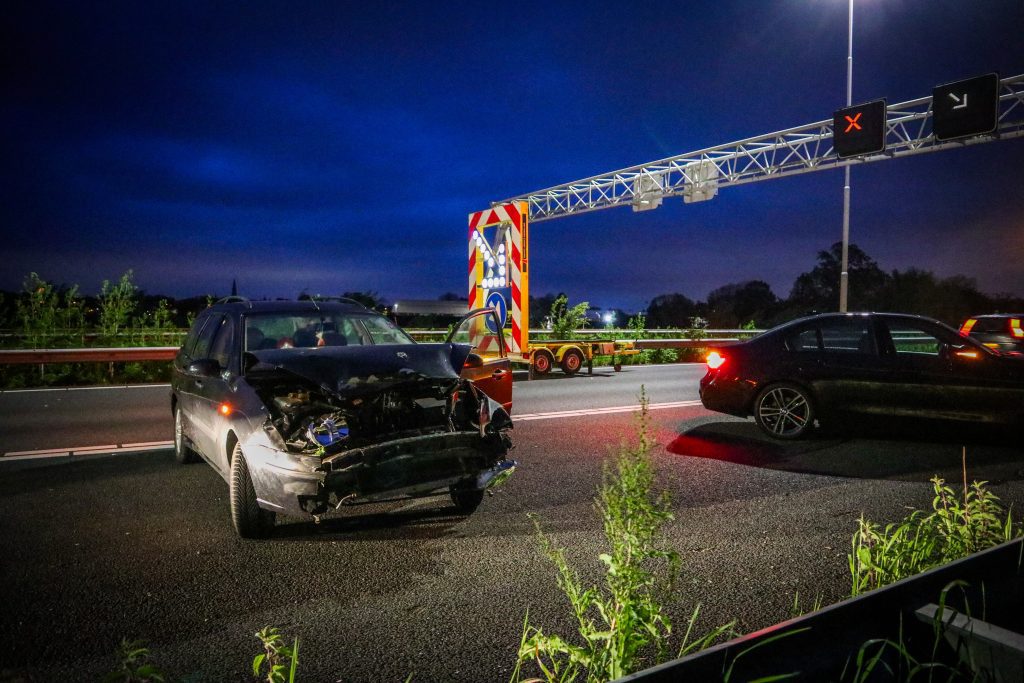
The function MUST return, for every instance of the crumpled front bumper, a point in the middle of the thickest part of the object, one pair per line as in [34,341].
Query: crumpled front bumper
[304,485]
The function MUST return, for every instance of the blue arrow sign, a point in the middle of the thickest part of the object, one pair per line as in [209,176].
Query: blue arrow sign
[496,301]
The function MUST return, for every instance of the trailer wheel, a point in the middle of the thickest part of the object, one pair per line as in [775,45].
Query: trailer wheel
[542,361]
[572,361]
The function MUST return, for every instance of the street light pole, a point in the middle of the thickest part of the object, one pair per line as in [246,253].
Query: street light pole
[843,274]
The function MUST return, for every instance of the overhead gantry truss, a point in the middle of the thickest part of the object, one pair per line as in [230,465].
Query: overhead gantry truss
[698,175]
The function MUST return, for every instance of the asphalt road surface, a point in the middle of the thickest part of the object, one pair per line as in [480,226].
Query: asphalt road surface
[132,545]
[42,419]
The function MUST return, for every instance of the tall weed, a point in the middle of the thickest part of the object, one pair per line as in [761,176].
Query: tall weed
[955,528]
[621,625]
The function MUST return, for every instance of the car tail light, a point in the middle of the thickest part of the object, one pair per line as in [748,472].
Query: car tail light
[1015,329]
[715,360]
[224,409]
[965,329]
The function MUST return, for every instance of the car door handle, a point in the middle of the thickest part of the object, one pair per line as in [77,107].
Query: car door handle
[498,374]
[199,384]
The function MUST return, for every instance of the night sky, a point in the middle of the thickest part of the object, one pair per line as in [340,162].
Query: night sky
[339,146]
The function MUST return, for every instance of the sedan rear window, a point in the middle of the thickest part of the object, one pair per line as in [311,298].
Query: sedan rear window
[805,340]
[911,339]
[840,335]
[847,336]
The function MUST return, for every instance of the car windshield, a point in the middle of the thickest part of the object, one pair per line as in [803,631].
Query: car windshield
[308,330]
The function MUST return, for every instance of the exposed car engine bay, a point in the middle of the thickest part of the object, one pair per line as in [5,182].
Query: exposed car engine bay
[311,421]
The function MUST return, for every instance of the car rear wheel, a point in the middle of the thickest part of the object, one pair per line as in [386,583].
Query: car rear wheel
[466,499]
[784,411]
[542,362]
[572,361]
[248,518]
[182,453]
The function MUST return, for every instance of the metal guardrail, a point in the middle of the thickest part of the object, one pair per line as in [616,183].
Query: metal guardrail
[617,332]
[682,343]
[167,353]
[107,355]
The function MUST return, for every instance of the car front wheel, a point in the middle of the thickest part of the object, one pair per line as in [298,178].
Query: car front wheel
[249,519]
[182,453]
[784,411]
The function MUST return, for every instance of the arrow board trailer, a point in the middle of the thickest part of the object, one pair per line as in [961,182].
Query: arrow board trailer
[499,278]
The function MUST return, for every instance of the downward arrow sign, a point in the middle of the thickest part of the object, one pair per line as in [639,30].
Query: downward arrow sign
[959,105]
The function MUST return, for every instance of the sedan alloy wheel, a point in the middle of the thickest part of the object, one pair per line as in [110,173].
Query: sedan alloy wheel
[784,411]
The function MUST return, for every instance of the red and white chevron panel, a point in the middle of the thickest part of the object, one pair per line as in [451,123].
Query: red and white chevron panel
[515,216]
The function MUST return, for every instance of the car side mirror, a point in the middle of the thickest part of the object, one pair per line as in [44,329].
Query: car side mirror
[958,352]
[473,361]
[205,367]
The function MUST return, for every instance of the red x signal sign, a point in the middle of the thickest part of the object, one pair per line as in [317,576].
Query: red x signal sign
[859,130]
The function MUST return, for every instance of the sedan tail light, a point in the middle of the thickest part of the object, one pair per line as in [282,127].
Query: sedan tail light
[1015,328]
[715,360]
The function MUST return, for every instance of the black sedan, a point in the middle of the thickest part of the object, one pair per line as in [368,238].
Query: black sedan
[838,365]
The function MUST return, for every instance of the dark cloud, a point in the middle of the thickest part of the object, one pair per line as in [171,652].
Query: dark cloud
[340,146]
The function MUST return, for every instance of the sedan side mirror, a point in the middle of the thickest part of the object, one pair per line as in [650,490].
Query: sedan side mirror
[473,361]
[205,367]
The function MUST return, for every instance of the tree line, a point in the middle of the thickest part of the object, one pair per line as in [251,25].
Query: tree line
[916,291]
[42,310]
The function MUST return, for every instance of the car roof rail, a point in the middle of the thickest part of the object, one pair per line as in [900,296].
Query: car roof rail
[233,299]
[338,299]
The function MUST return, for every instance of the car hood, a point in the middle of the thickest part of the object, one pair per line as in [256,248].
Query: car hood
[349,371]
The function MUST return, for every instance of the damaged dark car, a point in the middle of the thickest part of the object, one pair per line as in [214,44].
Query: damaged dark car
[308,406]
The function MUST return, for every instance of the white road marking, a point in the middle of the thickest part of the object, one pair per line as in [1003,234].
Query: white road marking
[39,456]
[118,386]
[84,450]
[138,448]
[160,445]
[527,417]
[44,452]
[91,450]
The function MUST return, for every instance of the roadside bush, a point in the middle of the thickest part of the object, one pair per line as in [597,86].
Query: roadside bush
[666,355]
[47,317]
[564,320]
[695,354]
[638,325]
[645,357]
